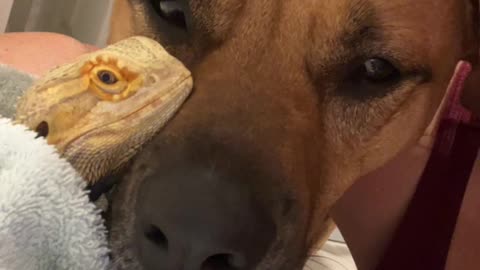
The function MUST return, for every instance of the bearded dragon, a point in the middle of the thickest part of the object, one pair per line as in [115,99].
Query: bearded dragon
[101,109]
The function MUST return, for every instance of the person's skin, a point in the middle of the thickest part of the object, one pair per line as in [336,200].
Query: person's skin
[367,214]
[36,53]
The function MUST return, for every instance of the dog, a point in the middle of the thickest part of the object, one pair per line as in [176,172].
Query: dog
[293,101]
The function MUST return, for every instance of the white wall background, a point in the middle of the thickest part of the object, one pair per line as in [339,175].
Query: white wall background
[86,20]
[5,7]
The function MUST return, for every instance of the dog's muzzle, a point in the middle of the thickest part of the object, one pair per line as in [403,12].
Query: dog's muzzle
[191,217]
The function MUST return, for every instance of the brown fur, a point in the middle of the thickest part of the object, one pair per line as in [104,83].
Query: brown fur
[272,95]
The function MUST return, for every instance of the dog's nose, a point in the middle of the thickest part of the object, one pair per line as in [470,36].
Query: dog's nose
[196,220]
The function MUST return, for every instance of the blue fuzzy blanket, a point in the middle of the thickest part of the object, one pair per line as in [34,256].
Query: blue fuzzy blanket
[46,219]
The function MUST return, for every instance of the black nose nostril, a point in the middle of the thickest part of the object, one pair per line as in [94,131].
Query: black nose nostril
[224,262]
[156,236]
[193,218]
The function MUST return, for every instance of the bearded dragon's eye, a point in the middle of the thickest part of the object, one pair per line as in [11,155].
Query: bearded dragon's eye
[110,80]
[107,77]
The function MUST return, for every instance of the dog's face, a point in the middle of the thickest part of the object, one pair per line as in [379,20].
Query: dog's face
[293,101]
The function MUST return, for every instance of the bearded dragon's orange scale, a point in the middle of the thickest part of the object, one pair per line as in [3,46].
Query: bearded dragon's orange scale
[129,75]
[86,68]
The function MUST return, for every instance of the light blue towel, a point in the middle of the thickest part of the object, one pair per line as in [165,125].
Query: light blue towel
[46,219]
[12,85]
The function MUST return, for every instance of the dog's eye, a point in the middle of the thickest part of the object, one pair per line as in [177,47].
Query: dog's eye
[374,77]
[377,70]
[172,11]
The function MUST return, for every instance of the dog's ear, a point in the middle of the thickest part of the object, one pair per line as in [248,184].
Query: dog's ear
[471,92]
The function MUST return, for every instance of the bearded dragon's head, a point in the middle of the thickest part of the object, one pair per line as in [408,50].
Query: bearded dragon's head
[100,109]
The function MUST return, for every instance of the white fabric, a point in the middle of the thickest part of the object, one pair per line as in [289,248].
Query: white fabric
[46,219]
[334,255]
